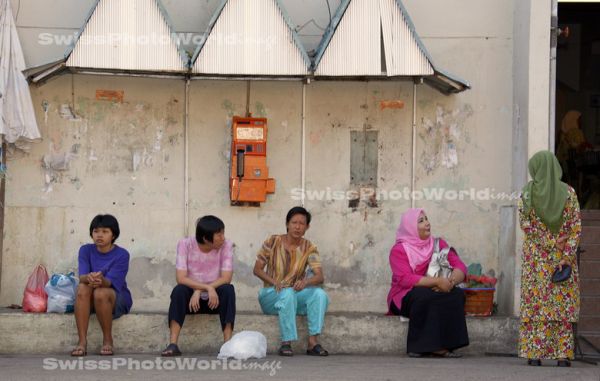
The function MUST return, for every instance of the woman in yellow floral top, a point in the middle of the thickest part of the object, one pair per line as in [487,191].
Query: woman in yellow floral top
[549,217]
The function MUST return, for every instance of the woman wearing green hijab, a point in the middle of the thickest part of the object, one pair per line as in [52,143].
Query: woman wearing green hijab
[549,218]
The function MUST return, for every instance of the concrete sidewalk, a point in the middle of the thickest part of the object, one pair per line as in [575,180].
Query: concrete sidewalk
[299,367]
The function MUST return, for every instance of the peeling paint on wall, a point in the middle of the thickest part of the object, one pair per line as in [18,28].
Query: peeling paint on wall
[54,163]
[45,106]
[66,112]
[442,137]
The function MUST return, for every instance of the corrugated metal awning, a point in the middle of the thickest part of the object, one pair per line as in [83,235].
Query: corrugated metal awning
[133,36]
[253,38]
[361,29]
[127,35]
[366,39]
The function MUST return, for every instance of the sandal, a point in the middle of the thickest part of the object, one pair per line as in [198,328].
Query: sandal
[171,350]
[565,363]
[534,362]
[79,351]
[447,354]
[107,350]
[286,350]
[317,350]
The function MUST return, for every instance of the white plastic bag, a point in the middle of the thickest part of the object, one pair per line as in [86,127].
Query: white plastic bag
[245,345]
[61,290]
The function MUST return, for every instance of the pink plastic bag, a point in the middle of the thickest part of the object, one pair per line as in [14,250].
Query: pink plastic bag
[35,298]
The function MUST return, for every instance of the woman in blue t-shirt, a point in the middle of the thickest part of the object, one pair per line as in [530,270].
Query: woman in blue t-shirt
[102,287]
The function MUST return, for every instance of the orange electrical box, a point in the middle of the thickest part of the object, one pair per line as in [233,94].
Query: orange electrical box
[249,177]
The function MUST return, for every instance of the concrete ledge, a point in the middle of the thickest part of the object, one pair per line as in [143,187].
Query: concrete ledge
[344,333]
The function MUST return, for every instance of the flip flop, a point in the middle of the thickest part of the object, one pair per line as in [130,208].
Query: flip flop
[449,355]
[317,350]
[107,350]
[171,350]
[78,351]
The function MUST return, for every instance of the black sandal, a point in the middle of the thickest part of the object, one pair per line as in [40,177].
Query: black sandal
[171,350]
[317,350]
[447,354]
[563,363]
[534,362]
[286,350]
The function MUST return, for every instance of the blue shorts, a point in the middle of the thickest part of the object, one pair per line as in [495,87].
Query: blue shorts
[120,309]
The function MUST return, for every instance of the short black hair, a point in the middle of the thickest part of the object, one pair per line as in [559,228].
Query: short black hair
[206,227]
[106,221]
[297,210]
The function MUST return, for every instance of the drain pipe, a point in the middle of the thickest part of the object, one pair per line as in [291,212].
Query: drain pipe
[414,146]
[186,187]
[303,147]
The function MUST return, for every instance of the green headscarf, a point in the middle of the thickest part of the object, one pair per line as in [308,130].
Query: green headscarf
[546,194]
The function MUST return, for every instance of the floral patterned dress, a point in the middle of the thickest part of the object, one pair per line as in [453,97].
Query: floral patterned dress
[548,309]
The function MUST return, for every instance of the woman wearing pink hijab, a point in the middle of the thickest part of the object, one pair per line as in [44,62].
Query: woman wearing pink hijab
[434,306]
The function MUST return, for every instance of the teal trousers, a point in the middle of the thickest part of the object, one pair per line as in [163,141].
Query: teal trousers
[311,302]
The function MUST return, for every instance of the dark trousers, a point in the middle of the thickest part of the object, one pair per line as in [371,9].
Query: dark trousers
[180,304]
[437,319]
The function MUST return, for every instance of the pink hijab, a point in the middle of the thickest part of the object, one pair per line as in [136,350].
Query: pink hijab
[418,251]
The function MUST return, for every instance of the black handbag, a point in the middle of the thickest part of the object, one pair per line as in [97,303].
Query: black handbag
[561,275]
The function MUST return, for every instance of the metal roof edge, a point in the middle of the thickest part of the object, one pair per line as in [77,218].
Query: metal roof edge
[209,29]
[445,84]
[87,20]
[453,78]
[329,33]
[40,74]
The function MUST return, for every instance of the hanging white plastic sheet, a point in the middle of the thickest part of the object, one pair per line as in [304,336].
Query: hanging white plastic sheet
[17,118]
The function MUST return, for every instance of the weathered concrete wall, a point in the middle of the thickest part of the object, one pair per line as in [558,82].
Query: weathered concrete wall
[128,159]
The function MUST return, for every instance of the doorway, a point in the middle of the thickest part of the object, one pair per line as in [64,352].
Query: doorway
[578,99]
[578,145]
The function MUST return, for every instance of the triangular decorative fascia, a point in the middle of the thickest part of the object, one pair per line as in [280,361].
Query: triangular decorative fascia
[352,46]
[251,39]
[132,35]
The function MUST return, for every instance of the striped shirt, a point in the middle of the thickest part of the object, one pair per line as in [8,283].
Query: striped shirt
[288,267]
